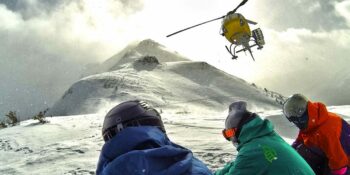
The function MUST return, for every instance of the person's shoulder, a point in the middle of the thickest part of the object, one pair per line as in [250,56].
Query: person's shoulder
[252,149]
[334,116]
[332,125]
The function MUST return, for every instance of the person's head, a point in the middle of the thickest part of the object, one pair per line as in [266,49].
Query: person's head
[237,117]
[295,110]
[130,114]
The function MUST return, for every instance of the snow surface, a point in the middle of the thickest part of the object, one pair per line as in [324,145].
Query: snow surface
[71,144]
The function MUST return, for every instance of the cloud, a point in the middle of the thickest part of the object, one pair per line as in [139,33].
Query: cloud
[315,15]
[46,45]
[29,9]
[343,10]
[300,60]
[307,48]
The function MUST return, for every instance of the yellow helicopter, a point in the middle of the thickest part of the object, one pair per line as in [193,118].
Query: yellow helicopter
[236,30]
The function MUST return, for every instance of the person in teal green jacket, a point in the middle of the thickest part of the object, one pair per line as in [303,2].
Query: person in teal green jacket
[260,149]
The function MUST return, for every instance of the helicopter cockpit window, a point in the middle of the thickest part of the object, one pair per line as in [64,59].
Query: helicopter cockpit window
[223,31]
[241,22]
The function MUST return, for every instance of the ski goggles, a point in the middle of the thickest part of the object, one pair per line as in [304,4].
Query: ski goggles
[300,121]
[293,109]
[229,133]
[297,113]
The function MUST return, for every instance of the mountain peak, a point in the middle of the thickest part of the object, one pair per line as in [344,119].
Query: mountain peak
[144,48]
[148,43]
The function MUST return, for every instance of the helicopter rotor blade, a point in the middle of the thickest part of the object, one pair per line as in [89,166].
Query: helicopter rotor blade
[233,11]
[251,22]
[239,5]
[195,26]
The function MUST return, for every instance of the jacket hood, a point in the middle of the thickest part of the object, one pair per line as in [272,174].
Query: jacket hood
[146,150]
[317,113]
[132,137]
[254,129]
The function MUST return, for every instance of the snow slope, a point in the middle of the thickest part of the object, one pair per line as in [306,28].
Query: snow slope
[71,144]
[136,50]
[150,72]
[164,85]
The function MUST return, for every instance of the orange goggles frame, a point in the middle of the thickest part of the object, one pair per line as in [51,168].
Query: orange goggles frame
[229,133]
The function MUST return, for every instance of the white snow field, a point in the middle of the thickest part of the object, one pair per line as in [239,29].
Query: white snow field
[192,97]
[71,144]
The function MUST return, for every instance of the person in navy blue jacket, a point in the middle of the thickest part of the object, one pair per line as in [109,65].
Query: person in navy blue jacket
[136,143]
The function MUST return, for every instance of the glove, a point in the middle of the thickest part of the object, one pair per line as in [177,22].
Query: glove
[313,157]
[296,144]
[341,171]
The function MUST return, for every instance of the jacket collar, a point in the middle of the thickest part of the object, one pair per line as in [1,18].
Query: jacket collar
[132,137]
[254,129]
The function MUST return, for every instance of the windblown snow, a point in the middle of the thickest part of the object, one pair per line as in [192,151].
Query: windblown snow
[192,97]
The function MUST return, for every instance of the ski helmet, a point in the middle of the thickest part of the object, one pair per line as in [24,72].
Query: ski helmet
[236,113]
[237,117]
[295,109]
[130,114]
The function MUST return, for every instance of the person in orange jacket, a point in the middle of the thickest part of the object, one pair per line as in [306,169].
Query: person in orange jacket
[324,137]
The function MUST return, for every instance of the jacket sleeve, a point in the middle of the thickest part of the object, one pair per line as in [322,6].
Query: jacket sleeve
[298,141]
[226,169]
[333,149]
[245,165]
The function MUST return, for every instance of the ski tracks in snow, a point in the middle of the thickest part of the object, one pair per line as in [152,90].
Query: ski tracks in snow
[12,145]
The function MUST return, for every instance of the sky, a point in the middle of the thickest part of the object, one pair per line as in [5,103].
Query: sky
[46,45]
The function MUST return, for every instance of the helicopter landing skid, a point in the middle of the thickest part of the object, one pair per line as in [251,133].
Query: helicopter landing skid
[245,49]
[234,57]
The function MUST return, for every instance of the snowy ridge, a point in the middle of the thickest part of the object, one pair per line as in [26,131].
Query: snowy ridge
[151,72]
[134,51]
[183,83]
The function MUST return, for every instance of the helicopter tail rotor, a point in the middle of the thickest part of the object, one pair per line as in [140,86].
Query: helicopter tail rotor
[251,22]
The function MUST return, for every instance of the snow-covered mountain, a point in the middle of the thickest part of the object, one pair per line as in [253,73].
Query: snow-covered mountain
[164,79]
